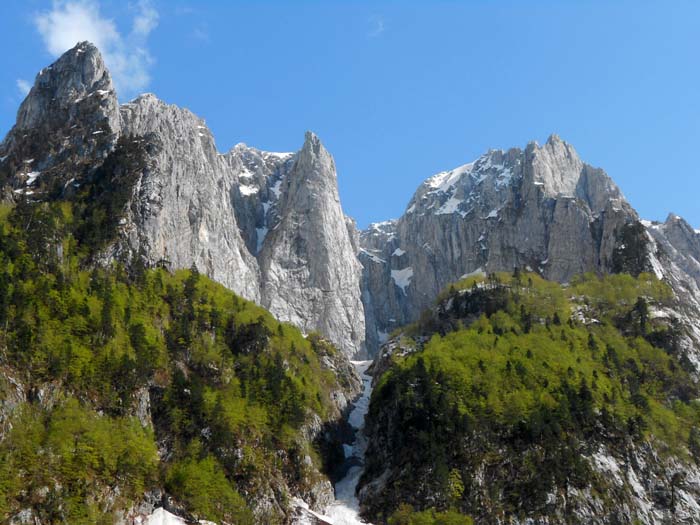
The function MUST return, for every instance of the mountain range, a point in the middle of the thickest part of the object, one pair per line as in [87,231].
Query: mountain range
[270,226]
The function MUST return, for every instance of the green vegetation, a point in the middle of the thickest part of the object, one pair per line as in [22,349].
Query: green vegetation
[518,380]
[229,386]
[75,447]
[405,515]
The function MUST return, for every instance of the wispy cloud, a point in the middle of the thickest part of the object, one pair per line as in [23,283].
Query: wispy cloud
[376,23]
[201,33]
[126,55]
[23,86]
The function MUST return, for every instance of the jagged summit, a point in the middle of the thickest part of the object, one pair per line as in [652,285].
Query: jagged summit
[484,185]
[66,126]
[78,73]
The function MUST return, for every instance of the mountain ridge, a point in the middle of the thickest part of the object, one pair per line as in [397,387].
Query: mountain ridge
[232,215]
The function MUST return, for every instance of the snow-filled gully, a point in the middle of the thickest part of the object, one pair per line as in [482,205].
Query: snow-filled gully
[345,510]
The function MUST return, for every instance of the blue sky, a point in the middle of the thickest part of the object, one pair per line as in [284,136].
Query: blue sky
[398,91]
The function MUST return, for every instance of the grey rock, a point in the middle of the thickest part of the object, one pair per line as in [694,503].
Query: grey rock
[674,252]
[267,225]
[270,225]
[308,263]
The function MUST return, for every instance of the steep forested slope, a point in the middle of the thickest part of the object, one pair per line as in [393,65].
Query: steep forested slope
[123,389]
[516,398]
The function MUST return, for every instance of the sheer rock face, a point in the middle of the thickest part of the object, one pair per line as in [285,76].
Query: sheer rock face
[269,226]
[309,266]
[183,204]
[540,208]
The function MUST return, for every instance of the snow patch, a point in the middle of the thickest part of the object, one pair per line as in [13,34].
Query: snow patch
[245,174]
[248,190]
[31,177]
[310,517]
[276,189]
[444,180]
[504,177]
[479,272]
[380,225]
[345,510]
[277,155]
[161,516]
[451,206]
[402,278]
[398,252]
[372,256]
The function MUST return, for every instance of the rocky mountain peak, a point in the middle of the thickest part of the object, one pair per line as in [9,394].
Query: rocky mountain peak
[68,123]
[314,162]
[310,256]
[556,167]
[58,88]
[311,140]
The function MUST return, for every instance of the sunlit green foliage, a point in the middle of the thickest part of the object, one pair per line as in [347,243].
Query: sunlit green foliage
[202,485]
[405,515]
[64,452]
[518,367]
[221,372]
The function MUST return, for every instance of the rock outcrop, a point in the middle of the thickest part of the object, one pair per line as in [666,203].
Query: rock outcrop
[309,265]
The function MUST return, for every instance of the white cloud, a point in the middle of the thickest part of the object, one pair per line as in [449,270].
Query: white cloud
[126,56]
[376,23]
[145,20]
[23,86]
